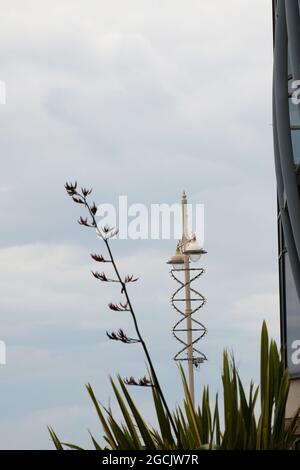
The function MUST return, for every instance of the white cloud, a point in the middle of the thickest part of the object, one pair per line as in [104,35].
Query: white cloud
[250,312]
[30,431]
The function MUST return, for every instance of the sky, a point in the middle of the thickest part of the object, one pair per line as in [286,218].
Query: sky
[143,99]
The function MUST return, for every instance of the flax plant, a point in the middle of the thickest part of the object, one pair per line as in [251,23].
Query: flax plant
[253,418]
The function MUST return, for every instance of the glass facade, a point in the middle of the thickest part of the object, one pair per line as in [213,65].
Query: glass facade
[292,319]
[294,116]
[296,145]
[286,127]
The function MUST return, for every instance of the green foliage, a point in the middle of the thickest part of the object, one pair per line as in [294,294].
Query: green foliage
[244,428]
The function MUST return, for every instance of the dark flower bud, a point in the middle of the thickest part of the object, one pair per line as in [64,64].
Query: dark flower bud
[106,229]
[121,336]
[130,381]
[114,307]
[84,222]
[130,279]
[71,188]
[94,209]
[98,258]
[77,200]
[86,192]
[100,276]
[119,307]
[112,336]
[144,382]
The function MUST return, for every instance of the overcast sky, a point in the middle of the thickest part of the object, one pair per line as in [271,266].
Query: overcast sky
[139,98]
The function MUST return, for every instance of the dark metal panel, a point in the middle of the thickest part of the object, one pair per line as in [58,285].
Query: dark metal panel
[274,19]
[285,220]
[283,128]
[293,27]
[285,240]
[287,184]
